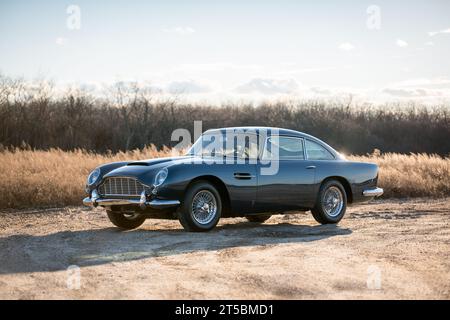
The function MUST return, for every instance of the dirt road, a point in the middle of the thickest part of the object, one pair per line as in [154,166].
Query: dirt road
[387,249]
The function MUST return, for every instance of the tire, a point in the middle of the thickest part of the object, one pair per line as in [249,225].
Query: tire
[191,219]
[320,212]
[121,220]
[260,218]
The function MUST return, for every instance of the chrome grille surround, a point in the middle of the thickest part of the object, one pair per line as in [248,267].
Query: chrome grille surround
[122,186]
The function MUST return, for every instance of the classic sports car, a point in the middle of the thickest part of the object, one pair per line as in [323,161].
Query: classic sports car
[245,171]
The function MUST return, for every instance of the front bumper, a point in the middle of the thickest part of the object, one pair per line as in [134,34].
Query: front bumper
[154,204]
[373,192]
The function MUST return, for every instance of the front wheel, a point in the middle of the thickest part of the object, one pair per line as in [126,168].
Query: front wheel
[125,221]
[331,203]
[201,208]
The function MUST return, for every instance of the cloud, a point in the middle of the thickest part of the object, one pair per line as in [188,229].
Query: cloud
[60,41]
[435,83]
[320,91]
[429,43]
[180,30]
[401,43]
[187,87]
[214,67]
[433,33]
[346,46]
[406,93]
[420,88]
[268,86]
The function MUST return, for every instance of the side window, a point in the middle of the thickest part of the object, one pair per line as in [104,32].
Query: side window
[246,146]
[283,148]
[317,152]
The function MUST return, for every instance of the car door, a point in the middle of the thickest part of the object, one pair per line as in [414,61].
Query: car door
[238,168]
[290,183]
[241,181]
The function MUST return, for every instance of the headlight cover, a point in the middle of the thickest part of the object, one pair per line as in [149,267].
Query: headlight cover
[93,176]
[160,177]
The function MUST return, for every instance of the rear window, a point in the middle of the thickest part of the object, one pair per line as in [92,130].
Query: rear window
[316,152]
[284,148]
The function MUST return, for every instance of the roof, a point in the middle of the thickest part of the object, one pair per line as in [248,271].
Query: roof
[274,130]
[270,130]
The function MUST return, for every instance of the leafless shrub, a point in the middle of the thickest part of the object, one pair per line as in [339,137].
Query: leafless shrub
[131,118]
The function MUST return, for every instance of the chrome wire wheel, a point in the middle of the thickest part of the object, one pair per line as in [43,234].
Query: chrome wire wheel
[333,201]
[204,207]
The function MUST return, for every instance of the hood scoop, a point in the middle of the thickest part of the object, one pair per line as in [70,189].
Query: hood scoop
[145,164]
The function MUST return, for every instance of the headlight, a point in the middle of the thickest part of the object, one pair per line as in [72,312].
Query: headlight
[93,176]
[160,177]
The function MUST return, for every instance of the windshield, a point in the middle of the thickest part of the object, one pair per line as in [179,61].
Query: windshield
[225,145]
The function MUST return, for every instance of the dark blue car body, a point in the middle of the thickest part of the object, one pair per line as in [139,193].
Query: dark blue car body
[242,187]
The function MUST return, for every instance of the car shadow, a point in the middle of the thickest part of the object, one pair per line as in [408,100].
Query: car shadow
[58,251]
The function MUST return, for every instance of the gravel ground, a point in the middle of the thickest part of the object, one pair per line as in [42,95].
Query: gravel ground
[387,249]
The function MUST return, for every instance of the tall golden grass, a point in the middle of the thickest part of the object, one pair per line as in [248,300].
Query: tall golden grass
[413,175]
[33,178]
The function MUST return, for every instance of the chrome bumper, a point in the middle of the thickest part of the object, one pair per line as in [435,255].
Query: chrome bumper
[373,192]
[155,204]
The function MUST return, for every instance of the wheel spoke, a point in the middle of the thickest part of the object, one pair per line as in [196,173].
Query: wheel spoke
[333,201]
[204,207]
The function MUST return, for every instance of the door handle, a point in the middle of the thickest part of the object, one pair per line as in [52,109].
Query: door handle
[243,175]
[310,167]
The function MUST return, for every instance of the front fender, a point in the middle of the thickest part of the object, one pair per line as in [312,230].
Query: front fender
[181,174]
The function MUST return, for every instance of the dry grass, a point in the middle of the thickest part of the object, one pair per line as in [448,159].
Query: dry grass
[31,178]
[414,175]
[56,178]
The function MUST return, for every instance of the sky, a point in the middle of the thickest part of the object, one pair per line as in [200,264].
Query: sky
[222,50]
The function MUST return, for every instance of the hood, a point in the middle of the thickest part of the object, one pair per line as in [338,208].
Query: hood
[151,162]
[144,170]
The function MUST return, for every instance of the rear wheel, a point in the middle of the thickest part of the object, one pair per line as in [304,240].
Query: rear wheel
[201,208]
[124,220]
[331,203]
[260,218]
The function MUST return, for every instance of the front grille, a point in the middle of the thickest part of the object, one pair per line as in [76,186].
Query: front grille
[121,187]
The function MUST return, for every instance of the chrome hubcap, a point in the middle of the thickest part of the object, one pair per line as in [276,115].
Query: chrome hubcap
[333,201]
[204,207]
